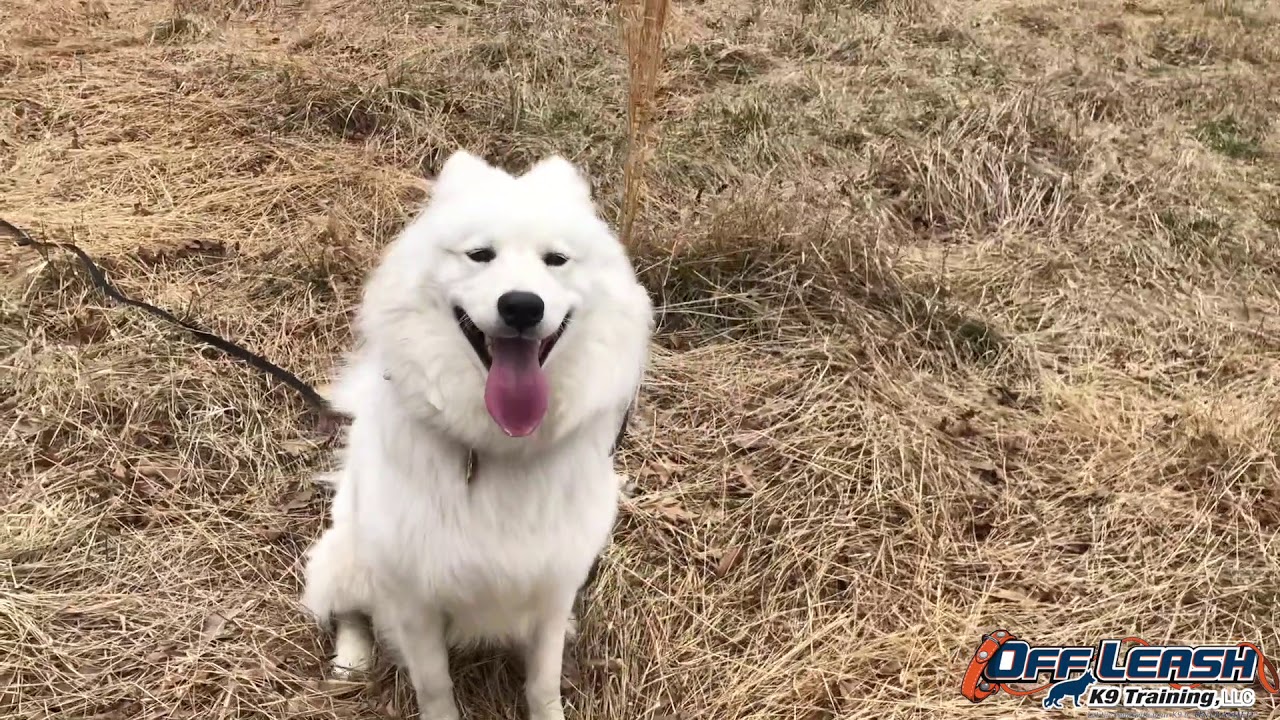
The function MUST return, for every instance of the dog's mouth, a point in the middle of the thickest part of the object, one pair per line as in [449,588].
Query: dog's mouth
[482,344]
[516,391]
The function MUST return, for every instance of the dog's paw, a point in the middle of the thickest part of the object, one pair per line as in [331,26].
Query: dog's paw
[439,709]
[353,650]
[343,668]
[549,708]
[551,711]
[342,673]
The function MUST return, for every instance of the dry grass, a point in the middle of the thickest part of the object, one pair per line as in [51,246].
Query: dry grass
[969,321]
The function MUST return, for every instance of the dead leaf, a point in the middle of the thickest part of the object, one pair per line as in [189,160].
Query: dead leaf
[728,560]
[613,665]
[957,427]
[750,440]
[298,447]
[662,469]
[298,500]
[172,475]
[163,651]
[1013,596]
[1005,396]
[306,705]
[215,625]
[271,534]
[148,488]
[988,472]
[205,246]
[671,509]
[745,475]
[118,711]
[80,610]
[26,429]
[334,228]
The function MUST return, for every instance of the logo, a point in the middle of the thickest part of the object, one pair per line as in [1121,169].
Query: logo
[1111,675]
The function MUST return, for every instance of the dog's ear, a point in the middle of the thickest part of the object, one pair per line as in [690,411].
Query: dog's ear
[559,174]
[464,172]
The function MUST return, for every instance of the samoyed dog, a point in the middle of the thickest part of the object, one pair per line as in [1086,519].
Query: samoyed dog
[503,337]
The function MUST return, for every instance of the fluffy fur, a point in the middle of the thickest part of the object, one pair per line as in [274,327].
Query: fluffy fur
[434,560]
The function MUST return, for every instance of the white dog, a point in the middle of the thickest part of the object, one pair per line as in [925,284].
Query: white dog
[503,338]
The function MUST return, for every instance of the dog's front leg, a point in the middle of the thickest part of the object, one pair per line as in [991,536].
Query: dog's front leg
[543,657]
[420,638]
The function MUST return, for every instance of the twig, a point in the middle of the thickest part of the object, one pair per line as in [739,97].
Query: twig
[643,22]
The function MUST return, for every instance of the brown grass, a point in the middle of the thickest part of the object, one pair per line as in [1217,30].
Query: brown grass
[968,321]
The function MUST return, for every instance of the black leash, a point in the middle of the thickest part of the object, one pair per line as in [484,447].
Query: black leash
[308,393]
[321,406]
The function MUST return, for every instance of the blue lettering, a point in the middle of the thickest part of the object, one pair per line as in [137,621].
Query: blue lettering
[1017,661]
[1239,665]
[1041,659]
[1175,665]
[1008,662]
[1143,663]
[1072,661]
[1109,669]
[1206,664]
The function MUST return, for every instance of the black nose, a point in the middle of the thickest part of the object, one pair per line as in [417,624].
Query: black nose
[520,310]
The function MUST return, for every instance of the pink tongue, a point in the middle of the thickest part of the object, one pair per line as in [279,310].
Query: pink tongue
[516,391]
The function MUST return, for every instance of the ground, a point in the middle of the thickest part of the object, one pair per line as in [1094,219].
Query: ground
[968,320]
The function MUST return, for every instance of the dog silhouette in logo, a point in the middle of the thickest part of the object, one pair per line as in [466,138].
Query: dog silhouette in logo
[1073,688]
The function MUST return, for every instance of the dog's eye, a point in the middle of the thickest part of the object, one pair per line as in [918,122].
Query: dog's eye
[482,255]
[554,259]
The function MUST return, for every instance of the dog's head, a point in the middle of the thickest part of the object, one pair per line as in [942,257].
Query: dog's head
[508,308]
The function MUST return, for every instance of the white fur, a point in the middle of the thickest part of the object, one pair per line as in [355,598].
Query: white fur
[437,562]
